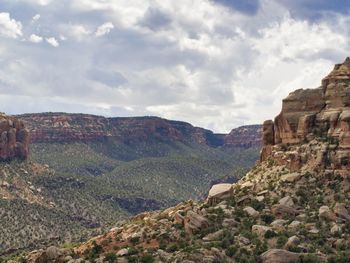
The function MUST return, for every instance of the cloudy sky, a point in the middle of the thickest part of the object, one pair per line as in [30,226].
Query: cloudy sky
[215,63]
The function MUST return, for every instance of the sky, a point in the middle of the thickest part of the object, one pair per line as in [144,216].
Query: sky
[217,64]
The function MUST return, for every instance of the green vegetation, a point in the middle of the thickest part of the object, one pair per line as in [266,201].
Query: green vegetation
[90,186]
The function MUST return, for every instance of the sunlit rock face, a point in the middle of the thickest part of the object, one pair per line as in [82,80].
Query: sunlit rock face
[309,114]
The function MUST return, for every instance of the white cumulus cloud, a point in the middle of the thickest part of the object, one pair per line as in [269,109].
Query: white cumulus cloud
[10,27]
[104,29]
[36,17]
[35,38]
[52,41]
[77,31]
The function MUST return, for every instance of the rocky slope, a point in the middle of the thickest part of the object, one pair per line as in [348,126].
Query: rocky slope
[14,138]
[63,127]
[291,207]
[85,172]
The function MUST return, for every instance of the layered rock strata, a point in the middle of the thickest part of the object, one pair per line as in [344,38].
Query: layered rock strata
[64,127]
[321,113]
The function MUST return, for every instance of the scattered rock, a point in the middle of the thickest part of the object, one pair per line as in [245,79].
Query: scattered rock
[336,229]
[294,226]
[279,256]
[194,222]
[341,211]
[278,224]
[214,236]
[219,192]
[122,252]
[293,241]
[325,213]
[53,252]
[251,211]
[283,211]
[229,222]
[287,200]
[260,230]
[290,178]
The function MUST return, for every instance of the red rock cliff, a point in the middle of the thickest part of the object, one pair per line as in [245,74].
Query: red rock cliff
[309,114]
[14,138]
[63,127]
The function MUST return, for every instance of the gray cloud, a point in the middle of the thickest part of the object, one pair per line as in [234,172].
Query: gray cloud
[226,64]
[250,7]
[155,19]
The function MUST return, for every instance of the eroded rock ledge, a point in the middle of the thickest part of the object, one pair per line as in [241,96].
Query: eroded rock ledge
[321,113]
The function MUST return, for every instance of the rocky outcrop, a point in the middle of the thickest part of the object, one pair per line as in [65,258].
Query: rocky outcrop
[14,138]
[63,127]
[219,192]
[321,113]
[245,136]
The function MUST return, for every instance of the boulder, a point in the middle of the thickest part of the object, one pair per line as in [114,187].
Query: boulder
[294,226]
[53,252]
[194,221]
[292,242]
[229,222]
[325,213]
[214,236]
[287,200]
[122,252]
[283,211]
[279,256]
[336,229]
[260,230]
[341,211]
[219,192]
[251,211]
[290,178]
[278,224]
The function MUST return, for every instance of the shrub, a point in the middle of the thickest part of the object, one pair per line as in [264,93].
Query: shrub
[270,234]
[309,259]
[341,258]
[94,251]
[135,240]
[267,218]
[133,251]
[172,248]
[111,257]
[147,259]
[257,205]
[231,251]
[282,239]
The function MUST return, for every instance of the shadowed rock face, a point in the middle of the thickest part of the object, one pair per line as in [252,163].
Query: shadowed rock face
[323,112]
[14,138]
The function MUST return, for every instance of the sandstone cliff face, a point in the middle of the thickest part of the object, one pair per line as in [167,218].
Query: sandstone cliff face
[14,138]
[245,136]
[63,127]
[323,113]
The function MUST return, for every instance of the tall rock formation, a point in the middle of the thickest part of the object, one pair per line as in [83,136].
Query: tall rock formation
[14,138]
[323,113]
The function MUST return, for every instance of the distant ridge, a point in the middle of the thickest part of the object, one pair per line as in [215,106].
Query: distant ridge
[65,127]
